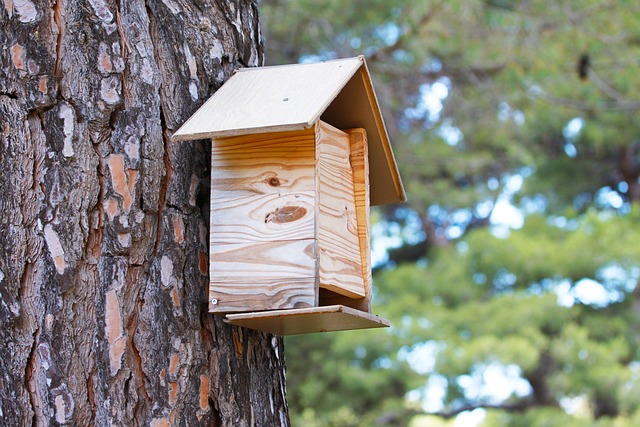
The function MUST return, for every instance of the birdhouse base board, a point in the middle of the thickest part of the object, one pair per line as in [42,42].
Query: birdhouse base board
[308,320]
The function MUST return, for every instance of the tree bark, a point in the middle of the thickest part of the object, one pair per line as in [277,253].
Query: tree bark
[104,220]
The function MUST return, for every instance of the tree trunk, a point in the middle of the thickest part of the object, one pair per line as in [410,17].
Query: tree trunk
[104,220]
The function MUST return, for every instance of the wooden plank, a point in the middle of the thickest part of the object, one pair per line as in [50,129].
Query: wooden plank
[262,276]
[262,261]
[359,159]
[263,218]
[360,166]
[304,321]
[272,163]
[262,188]
[262,235]
[337,231]
[258,294]
[270,99]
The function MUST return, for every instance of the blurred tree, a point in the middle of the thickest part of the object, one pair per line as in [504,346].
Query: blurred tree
[514,286]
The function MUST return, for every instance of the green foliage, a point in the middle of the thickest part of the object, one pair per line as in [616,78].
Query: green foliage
[473,93]
[353,378]
[539,251]
[462,301]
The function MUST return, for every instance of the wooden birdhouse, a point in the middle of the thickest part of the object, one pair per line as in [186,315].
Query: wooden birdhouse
[299,152]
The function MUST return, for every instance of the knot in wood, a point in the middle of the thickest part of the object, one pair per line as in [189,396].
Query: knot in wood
[274,182]
[286,214]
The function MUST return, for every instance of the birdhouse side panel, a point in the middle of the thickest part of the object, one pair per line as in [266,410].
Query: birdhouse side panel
[358,158]
[262,235]
[339,255]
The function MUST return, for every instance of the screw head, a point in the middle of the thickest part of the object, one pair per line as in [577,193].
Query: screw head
[214,301]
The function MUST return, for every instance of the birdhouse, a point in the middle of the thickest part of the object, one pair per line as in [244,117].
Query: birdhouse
[299,152]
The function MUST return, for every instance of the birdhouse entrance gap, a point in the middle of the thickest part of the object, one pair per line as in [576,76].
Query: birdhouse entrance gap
[290,195]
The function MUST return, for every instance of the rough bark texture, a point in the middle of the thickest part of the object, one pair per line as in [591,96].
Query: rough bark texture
[104,220]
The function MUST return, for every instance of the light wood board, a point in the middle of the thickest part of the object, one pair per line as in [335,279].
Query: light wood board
[309,320]
[337,229]
[360,166]
[267,163]
[358,158]
[263,218]
[263,188]
[266,99]
[262,224]
[236,296]
[258,276]
[293,258]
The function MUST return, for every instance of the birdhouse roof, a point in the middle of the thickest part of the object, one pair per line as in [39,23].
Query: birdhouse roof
[295,97]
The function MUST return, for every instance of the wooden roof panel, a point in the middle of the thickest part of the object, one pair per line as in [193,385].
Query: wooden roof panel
[279,98]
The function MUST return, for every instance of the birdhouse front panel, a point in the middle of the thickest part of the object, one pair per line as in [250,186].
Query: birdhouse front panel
[284,220]
[263,220]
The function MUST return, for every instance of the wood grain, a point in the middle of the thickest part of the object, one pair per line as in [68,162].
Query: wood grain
[263,276]
[262,235]
[359,159]
[337,231]
[271,163]
[360,166]
[263,218]
[262,261]
[236,296]
[262,188]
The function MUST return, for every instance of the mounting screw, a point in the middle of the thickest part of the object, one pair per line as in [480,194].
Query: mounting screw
[214,301]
